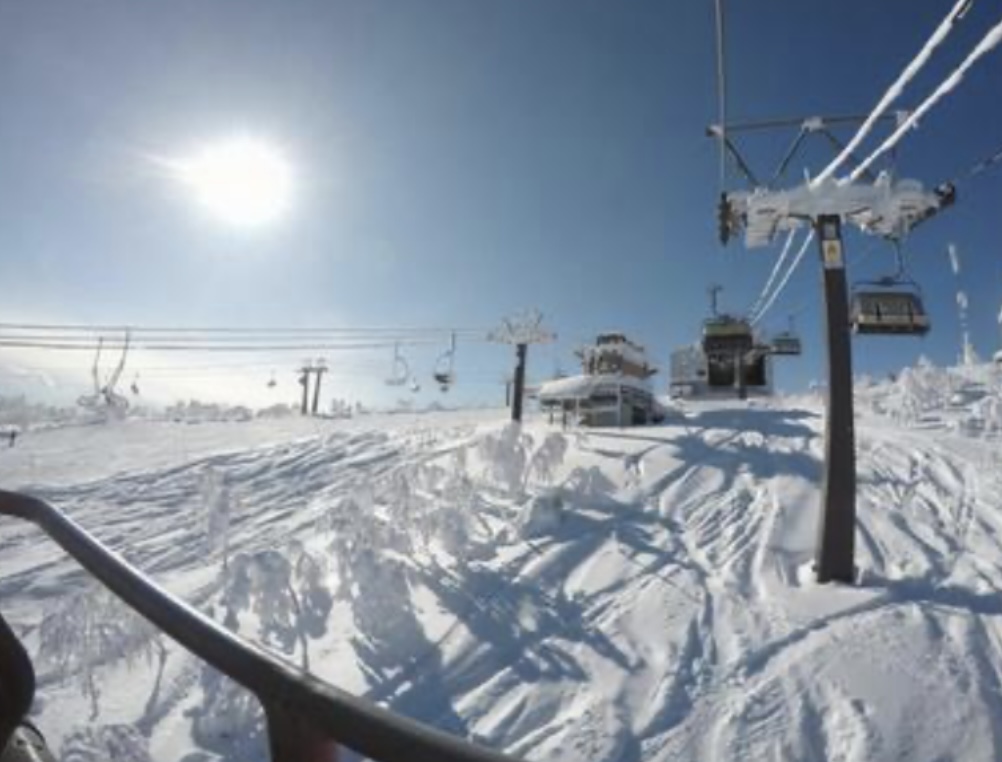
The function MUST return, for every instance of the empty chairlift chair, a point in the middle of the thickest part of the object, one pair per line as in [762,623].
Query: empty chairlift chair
[401,372]
[786,343]
[888,307]
[444,374]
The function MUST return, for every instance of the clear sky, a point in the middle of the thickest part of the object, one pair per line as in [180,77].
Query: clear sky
[454,161]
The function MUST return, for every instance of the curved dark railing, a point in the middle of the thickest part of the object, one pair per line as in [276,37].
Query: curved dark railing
[308,720]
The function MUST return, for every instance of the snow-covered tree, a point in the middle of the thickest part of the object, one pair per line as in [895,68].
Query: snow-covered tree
[218,506]
[106,743]
[230,721]
[546,459]
[93,628]
[505,455]
[382,610]
[286,591]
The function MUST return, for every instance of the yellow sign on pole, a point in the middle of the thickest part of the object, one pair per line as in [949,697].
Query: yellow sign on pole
[832,253]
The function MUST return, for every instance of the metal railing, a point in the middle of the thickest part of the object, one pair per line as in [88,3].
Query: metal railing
[308,720]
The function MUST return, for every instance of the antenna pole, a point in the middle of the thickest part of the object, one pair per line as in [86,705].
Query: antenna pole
[837,528]
[714,290]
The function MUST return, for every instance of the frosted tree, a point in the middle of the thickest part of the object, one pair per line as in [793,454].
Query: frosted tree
[546,459]
[287,594]
[107,743]
[93,628]
[229,721]
[360,522]
[383,612]
[218,505]
[406,509]
[349,525]
[505,455]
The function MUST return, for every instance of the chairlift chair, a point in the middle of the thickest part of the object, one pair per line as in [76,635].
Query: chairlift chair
[443,374]
[888,307]
[786,343]
[401,372]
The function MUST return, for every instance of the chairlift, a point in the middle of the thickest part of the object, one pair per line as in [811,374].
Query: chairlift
[105,395]
[444,374]
[786,343]
[889,306]
[113,400]
[401,372]
[727,335]
[94,400]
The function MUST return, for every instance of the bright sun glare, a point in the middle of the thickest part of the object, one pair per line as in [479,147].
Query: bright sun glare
[241,181]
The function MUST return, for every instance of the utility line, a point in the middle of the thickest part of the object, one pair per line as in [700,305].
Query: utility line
[268,331]
[89,347]
[248,341]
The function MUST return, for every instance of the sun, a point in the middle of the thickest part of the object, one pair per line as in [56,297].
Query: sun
[241,181]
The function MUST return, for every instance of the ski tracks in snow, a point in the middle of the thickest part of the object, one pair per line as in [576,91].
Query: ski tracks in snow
[671,614]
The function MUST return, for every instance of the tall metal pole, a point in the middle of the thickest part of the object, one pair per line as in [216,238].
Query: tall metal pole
[836,530]
[319,371]
[516,403]
[304,381]
[739,375]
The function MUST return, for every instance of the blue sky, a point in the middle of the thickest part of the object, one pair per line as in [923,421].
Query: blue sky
[457,160]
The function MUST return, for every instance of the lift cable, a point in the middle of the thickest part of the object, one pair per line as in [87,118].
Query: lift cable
[987,44]
[722,91]
[264,331]
[89,346]
[946,26]
[980,167]
[764,293]
[235,341]
[779,289]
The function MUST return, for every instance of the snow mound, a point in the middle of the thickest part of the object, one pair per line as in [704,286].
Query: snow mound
[966,398]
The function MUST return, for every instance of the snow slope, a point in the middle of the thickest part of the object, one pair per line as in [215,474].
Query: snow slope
[633,594]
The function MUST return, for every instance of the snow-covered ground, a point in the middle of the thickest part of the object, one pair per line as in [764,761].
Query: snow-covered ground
[617,595]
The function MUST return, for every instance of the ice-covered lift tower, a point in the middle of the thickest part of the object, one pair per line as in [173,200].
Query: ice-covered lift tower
[885,207]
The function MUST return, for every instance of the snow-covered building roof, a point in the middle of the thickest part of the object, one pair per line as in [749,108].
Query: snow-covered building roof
[582,387]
